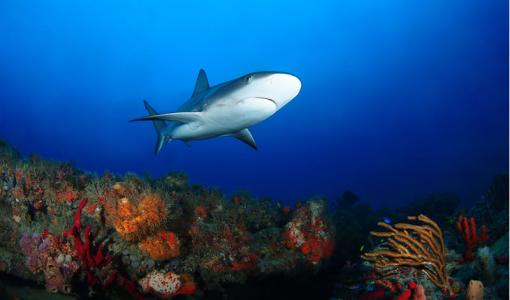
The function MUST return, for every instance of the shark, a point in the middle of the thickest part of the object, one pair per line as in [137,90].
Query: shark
[226,109]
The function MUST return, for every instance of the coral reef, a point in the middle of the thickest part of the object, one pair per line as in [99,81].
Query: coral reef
[409,245]
[94,262]
[84,233]
[122,236]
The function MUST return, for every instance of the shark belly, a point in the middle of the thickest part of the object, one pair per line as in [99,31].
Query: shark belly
[226,117]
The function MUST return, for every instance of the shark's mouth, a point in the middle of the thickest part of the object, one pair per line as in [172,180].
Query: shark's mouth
[268,99]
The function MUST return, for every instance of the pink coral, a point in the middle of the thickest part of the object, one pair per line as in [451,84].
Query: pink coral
[52,257]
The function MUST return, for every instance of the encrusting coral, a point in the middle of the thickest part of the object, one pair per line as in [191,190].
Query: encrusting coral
[420,246]
[161,246]
[133,223]
[49,254]
[310,233]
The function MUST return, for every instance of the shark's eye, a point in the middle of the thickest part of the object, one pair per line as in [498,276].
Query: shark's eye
[248,78]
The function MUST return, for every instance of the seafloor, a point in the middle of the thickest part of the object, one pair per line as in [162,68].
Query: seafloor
[70,234]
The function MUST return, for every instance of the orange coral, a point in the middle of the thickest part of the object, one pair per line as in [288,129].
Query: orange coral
[161,246]
[152,209]
[134,223]
[66,195]
[125,220]
[419,245]
[125,209]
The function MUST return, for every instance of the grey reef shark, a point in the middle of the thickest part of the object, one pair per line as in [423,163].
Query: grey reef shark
[226,109]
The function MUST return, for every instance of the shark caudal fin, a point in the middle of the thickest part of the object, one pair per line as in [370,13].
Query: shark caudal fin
[159,126]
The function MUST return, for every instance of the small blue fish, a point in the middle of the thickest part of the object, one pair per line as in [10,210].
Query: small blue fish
[387,220]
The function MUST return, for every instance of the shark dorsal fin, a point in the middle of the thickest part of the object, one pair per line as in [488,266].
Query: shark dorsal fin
[202,83]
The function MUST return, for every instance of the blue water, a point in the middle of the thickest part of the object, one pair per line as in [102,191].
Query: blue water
[399,98]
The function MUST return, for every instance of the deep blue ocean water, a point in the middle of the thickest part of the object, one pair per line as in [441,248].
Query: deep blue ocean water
[399,98]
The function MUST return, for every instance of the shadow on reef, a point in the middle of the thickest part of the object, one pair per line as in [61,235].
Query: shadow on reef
[282,286]
[79,235]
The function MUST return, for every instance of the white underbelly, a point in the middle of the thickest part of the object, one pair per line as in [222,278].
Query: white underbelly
[222,119]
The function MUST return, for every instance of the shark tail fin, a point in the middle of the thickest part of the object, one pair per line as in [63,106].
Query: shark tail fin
[159,126]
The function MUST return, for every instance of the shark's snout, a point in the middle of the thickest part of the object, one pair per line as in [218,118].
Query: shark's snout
[281,88]
[285,87]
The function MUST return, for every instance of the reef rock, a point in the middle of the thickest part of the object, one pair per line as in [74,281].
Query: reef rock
[310,233]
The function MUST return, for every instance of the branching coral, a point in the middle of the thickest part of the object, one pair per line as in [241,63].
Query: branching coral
[420,246]
[92,257]
[468,230]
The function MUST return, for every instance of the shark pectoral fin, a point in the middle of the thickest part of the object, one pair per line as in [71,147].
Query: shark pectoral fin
[202,83]
[246,137]
[182,117]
